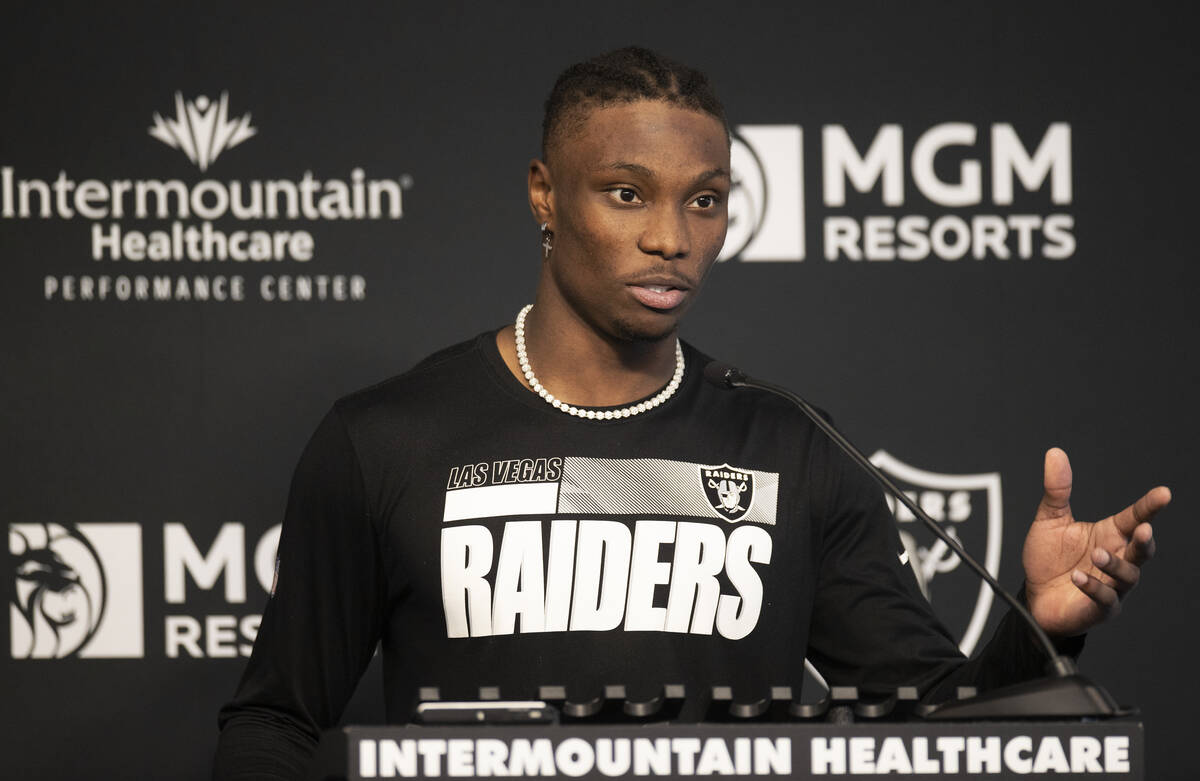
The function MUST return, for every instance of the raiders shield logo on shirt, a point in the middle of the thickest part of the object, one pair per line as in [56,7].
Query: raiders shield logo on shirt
[730,491]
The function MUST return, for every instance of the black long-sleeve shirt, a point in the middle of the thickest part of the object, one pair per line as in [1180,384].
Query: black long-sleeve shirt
[484,538]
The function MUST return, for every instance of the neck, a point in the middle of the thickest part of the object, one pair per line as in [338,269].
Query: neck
[583,366]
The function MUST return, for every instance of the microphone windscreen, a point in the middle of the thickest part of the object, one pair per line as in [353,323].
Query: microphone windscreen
[721,374]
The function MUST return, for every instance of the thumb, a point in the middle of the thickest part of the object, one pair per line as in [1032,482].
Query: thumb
[1056,483]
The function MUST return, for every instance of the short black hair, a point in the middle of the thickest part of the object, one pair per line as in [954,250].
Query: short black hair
[623,76]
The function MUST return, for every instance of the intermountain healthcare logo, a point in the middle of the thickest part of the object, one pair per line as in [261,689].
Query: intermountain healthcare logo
[149,237]
[201,129]
[77,590]
[969,508]
[894,196]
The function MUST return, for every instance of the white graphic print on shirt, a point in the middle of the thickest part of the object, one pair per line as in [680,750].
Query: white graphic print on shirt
[572,571]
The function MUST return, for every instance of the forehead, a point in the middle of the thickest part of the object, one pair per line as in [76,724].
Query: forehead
[658,135]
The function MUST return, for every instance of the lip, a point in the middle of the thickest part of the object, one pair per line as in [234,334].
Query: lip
[674,291]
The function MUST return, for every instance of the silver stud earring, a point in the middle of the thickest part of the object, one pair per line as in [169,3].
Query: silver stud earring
[547,239]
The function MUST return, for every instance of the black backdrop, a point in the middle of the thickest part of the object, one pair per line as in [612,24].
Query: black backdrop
[135,417]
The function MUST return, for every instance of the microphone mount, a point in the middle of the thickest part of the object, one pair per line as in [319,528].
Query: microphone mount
[1065,693]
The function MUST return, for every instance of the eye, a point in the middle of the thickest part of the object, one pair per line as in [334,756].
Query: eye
[624,195]
[706,201]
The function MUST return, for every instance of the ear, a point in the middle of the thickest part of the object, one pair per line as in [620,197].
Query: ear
[541,192]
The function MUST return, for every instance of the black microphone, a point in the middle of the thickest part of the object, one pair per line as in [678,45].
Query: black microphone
[1065,693]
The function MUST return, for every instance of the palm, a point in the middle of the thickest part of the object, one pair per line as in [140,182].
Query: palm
[1108,553]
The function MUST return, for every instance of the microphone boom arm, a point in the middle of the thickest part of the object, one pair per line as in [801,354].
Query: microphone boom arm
[1066,690]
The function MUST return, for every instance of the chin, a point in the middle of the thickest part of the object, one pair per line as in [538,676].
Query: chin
[643,331]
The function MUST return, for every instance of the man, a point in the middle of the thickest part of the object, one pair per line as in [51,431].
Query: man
[566,501]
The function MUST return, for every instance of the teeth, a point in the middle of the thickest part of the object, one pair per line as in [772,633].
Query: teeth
[657,288]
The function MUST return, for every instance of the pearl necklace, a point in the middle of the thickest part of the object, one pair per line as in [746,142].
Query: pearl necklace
[592,414]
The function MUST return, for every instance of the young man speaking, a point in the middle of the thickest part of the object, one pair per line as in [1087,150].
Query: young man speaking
[567,501]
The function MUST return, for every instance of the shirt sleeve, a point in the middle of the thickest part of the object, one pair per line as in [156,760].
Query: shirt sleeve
[321,624]
[871,626]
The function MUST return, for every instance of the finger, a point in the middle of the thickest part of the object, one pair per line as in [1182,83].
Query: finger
[1105,597]
[1142,547]
[1056,484]
[1125,574]
[1142,510]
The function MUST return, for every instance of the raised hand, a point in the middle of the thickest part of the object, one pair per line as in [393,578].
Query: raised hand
[1076,572]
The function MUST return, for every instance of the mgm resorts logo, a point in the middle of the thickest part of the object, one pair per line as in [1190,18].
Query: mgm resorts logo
[916,195]
[78,591]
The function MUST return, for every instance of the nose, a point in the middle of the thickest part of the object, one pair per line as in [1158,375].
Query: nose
[666,234]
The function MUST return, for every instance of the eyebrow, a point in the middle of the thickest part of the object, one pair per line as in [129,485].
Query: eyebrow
[642,170]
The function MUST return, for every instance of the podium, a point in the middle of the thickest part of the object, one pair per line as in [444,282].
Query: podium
[918,750]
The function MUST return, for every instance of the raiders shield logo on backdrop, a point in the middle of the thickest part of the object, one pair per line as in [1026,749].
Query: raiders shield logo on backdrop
[968,507]
[730,491]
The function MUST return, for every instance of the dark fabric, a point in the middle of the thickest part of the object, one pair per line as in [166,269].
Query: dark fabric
[366,544]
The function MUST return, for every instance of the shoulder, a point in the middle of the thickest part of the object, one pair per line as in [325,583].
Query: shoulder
[414,393]
[752,402]
[761,416]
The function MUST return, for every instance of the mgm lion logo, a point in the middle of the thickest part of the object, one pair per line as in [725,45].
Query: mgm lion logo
[730,491]
[77,590]
[766,197]
[60,590]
